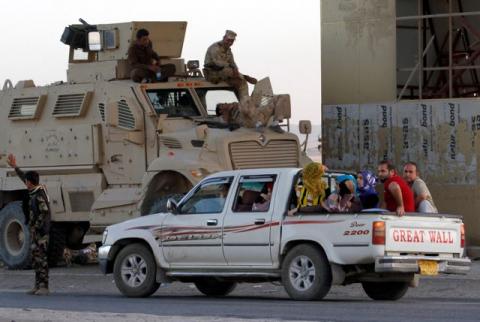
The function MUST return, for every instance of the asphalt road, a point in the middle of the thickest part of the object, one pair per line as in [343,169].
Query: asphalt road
[85,289]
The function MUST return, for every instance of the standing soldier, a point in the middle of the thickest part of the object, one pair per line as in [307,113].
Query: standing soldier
[220,66]
[39,224]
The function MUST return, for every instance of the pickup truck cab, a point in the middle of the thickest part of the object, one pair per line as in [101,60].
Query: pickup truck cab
[224,231]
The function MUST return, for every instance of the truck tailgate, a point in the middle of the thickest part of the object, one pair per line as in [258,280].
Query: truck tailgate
[423,235]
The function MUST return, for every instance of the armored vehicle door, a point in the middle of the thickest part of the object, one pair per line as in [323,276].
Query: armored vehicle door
[125,141]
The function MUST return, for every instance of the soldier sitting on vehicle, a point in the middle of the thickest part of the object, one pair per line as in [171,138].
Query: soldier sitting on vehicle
[220,66]
[145,62]
[248,115]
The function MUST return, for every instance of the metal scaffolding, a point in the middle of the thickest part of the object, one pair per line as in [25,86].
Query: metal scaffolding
[446,63]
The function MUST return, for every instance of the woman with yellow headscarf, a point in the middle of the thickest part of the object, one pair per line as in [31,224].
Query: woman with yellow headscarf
[312,194]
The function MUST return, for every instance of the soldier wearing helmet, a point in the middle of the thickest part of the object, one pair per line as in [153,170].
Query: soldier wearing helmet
[220,66]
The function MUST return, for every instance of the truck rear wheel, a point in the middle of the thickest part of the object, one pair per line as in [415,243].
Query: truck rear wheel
[214,287]
[135,270]
[385,291]
[306,273]
[14,236]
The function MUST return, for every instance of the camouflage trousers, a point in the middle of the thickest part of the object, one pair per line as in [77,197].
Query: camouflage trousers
[227,75]
[39,249]
[252,115]
[138,74]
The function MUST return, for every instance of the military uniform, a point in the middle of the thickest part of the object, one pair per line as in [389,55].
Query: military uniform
[140,58]
[39,224]
[220,66]
[247,114]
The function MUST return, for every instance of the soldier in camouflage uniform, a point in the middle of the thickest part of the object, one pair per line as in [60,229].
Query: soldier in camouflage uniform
[247,114]
[220,66]
[39,224]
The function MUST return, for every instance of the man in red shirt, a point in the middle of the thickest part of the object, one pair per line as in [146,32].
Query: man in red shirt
[397,195]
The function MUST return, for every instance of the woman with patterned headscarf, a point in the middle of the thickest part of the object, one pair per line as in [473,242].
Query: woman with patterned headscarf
[312,194]
[366,182]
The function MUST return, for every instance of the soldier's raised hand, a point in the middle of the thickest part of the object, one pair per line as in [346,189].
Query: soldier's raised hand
[12,161]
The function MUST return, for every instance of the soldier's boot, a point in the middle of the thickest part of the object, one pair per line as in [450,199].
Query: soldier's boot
[33,290]
[250,79]
[42,291]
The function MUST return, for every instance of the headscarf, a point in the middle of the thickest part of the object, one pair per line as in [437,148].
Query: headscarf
[345,177]
[369,182]
[312,180]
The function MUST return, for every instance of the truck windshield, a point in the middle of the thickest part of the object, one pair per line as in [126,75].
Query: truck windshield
[174,102]
[210,97]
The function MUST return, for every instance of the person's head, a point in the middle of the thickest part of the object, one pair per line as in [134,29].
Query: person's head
[312,178]
[222,109]
[32,179]
[142,37]
[346,184]
[229,38]
[410,172]
[386,170]
[366,180]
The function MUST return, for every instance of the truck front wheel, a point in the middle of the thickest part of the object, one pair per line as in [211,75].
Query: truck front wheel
[213,287]
[135,270]
[14,236]
[306,273]
[385,291]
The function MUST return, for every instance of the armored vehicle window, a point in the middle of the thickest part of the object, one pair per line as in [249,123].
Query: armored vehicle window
[26,107]
[174,102]
[210,97]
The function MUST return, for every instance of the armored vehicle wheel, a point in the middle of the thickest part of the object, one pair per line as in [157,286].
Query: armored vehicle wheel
[213,287]
[135,270]
[306,273]
[386,291]
[163,186]
[14,236]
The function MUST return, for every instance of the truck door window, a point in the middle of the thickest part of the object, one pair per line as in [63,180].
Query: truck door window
[210,97]
[208,198]
[174,102]
[254,193]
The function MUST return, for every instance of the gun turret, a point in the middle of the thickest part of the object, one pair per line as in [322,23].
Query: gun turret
[104,48]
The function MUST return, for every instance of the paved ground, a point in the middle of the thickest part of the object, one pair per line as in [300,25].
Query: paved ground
[83,293]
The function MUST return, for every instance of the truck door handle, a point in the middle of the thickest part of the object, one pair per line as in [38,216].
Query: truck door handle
[212,222]
[259,221]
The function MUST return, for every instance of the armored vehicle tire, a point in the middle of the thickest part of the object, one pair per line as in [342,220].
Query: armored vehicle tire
[214,287]
[306,273]
[135,270]
[14,236]
[163,186]
[56,245]
[386,291]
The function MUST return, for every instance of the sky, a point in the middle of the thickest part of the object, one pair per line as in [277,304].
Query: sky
[276,38]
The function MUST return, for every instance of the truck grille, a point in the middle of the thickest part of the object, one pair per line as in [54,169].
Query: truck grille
[274,154]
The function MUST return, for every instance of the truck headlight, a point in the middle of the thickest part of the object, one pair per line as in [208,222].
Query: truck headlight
[104,238]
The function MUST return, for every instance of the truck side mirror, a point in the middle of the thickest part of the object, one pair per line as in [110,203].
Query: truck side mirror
[172,206]
[305,127]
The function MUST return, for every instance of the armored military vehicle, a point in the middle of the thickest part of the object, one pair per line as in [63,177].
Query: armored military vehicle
[109,149]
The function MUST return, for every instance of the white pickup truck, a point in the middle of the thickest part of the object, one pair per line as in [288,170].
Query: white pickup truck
[223,232]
